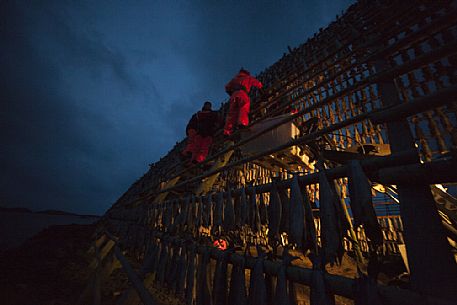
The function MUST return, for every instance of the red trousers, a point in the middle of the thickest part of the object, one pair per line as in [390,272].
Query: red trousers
[198,146]
[238,112]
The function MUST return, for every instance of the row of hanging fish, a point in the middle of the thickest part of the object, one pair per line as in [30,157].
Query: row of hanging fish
[287,210]
[184,268]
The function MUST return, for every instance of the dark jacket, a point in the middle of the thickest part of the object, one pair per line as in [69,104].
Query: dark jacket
[205,123]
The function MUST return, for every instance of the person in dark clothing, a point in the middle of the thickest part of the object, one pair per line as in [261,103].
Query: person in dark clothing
[200,131]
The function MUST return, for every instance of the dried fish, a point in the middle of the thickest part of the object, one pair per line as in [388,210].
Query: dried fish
[237,293]
[190,276]
[229,213]
[191,213]
[243,207]
[199,207]
[361,202]
[257,285]
[220,279]
[292,293]
[285,205]
[150,261]
[172,268]
[162,263]
[237,209]
[167,215]
[181,272]
[281,294]
[263,210]
[319,294]
[310,241]
[332,220]
[269,283]
[218,209]
[203,296]
[255,221]
[207,215]
[274,213]
[366,291]
[297,214]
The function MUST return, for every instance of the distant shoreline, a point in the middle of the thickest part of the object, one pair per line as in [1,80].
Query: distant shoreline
[47,212]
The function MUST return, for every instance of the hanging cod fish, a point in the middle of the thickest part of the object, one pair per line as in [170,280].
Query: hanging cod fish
[263,210]
[274,213]
[310,241]
[167,215]
[319,294]
[156,255]
[297,214]
[191,214]
[285,205]
[255,221]
[257,285]
[229,213]
[181,272]
[162,263]
[218,210]
[361,202]
[172,269]
[151,258]
[281,294]
[199,207]
[237,293]
[207,210]
[333,224]
[220,279]
[366,291]
[203,296]
[243,207]
[190,276]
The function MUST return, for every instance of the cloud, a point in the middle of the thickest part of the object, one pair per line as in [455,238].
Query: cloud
[92,92]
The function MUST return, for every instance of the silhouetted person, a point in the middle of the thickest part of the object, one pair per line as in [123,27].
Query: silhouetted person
[200,131]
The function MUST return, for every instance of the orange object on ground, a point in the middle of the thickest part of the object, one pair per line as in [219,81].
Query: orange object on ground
[220,244]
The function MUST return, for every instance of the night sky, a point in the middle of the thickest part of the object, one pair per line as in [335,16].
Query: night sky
[92,92]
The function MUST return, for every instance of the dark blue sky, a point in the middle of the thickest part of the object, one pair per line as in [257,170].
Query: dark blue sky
[92,92]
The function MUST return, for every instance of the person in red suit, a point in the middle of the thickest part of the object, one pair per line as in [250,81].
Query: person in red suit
[238,89]
[200,131]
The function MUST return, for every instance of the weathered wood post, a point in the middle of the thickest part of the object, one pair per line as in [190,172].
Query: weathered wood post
[433,269]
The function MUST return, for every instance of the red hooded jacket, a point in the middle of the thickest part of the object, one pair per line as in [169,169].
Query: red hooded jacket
[242,81]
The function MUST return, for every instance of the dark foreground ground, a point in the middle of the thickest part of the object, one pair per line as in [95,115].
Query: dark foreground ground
[52,269]
[48,269]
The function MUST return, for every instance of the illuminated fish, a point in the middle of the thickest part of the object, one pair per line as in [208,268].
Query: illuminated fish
[285,205]
[297,214]
[361,202]
[274,213]
[333,225]
[263,211]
